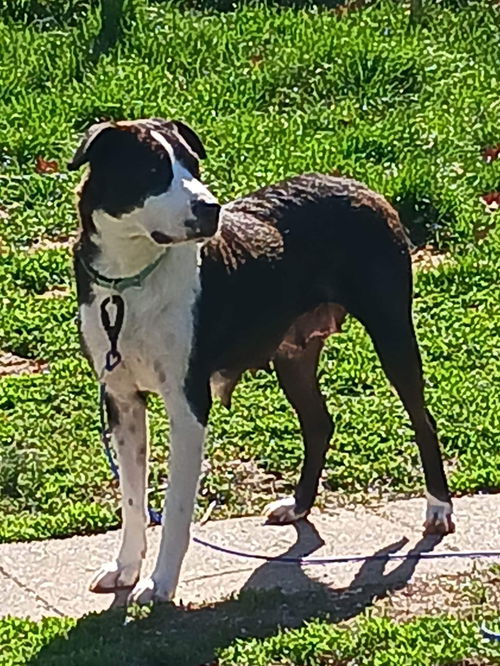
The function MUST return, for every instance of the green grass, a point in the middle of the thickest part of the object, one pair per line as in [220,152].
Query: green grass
[246,632]
[273,91]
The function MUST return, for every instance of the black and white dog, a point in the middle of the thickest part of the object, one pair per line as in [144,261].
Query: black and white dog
[178,296]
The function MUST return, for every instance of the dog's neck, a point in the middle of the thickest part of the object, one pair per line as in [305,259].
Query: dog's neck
[123,249]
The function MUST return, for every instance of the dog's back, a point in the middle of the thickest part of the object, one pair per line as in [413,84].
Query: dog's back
[286,262]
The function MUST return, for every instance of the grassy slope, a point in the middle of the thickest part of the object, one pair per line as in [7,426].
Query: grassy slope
[273,92]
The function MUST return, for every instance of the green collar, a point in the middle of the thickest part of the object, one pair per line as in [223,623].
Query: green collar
[120,284]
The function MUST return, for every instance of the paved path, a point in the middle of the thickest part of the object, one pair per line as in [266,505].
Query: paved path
[51,577]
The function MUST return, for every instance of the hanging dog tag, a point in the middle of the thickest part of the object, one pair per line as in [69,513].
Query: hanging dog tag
[113,358]
[112,329]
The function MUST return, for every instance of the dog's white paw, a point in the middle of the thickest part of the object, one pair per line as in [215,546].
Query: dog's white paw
[282,511]
[113,577]
[438,517]
[147,590]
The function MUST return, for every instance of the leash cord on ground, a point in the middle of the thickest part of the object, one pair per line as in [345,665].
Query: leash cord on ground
[342,559]
[489,634]
[156,519]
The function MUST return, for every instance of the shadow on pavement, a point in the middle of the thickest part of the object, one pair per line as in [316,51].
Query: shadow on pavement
[190,636]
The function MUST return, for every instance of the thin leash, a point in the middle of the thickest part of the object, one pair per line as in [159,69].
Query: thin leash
[489,634]
[343,559]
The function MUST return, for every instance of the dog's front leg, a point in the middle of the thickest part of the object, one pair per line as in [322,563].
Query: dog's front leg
[186,452]
[127,421]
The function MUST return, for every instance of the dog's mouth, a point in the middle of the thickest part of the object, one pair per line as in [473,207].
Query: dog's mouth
[164,239]
[161,238]
[202,226]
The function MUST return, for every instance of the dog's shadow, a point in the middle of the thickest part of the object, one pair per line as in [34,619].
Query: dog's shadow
[183,636]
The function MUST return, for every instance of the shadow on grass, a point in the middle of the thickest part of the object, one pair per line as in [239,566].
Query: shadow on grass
[424,220]
[191,636]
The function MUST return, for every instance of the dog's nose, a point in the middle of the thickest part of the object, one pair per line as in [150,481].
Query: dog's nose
[206,218]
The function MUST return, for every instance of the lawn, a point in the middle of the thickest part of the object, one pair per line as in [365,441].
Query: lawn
[273,89]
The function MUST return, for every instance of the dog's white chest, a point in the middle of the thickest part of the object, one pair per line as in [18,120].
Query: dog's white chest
[155,338]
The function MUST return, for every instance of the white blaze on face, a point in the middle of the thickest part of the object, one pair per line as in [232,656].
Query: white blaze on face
[169,211]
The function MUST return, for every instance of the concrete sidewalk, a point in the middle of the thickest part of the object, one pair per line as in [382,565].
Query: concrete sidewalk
[51,577]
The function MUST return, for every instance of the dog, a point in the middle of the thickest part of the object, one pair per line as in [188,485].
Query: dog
[178,296]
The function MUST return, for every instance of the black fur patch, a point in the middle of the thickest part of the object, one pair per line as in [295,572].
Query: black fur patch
[197,381]
[127,165]
[112,412]
[319,239]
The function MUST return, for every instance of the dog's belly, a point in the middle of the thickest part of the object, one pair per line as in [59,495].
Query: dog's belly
[321,322]
[316,324]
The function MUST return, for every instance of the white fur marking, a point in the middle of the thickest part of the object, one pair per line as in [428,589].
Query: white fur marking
[157,331]
[283,511]
[439,513]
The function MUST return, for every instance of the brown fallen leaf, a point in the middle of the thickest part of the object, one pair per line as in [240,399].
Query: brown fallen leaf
[491,153]
[491,200]
[428,257]
[256,60]
[46,166]
[10,365]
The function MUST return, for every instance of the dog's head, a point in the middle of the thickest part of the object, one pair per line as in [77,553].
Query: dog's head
[147,171]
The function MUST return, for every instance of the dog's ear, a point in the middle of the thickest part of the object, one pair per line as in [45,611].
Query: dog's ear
[191,138]
[81,155]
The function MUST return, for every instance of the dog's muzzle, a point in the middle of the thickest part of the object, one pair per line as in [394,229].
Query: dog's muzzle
[206,219]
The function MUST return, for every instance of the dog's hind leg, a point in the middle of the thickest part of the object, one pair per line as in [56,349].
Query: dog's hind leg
[127,421]
[297,376]
[394,338]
